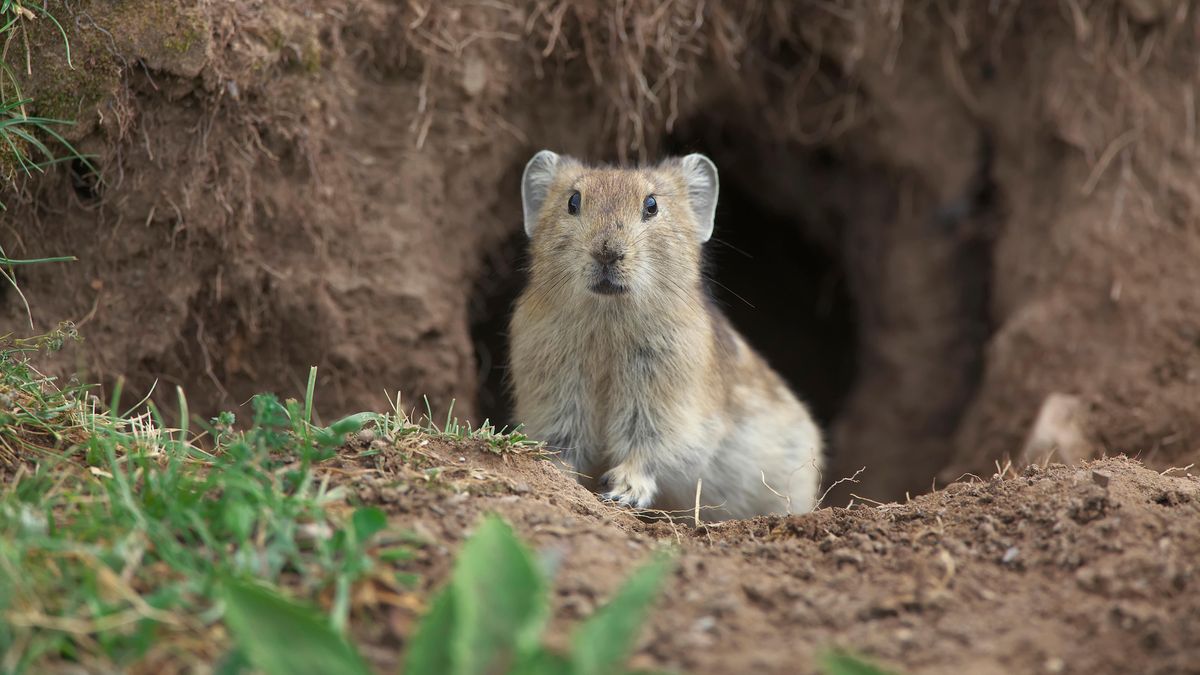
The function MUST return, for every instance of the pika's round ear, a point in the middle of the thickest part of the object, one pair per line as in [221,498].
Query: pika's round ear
[535,184]
[700,176]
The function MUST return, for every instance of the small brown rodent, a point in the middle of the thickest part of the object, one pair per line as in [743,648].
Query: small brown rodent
[622,362]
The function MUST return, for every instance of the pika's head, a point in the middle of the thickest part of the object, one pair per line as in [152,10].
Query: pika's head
[618,231]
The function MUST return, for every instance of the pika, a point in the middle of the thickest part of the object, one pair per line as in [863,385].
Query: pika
[623,363]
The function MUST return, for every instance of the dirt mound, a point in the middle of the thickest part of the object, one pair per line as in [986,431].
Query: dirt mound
[1081,570]
[985,203]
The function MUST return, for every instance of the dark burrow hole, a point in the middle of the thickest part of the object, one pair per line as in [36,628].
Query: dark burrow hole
[85,180]
[788,296]
[786,293]
[492,302]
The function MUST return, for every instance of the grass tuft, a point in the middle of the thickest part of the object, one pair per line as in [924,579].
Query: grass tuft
[497,440]
[841,662]
[122,537]
[118,531]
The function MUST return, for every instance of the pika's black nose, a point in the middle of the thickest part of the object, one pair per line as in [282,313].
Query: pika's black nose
[607,255]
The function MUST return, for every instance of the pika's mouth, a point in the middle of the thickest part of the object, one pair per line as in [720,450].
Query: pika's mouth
[608,281]
[606,286]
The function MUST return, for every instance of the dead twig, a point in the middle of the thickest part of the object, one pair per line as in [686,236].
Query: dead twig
[1173,469]
[850,479]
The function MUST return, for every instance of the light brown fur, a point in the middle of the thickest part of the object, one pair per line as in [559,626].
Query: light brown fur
[648,390]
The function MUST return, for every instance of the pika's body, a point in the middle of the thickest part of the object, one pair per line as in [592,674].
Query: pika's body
[622,363]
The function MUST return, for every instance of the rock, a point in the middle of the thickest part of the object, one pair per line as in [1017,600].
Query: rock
[1010,555]
[474,76]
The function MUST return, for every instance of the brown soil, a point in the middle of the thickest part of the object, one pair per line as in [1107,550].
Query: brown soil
[1072,570]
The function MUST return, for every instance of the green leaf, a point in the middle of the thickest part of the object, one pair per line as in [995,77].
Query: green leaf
[500,600]
[395,554]
[543,662]
[352,423]
[335,434]
[239,518]
[431,649]
[838,662]
[604,642]
[490,617]
[282,637]
[368,521]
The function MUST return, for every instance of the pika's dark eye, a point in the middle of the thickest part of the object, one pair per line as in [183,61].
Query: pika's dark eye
[649,207]
[573,203]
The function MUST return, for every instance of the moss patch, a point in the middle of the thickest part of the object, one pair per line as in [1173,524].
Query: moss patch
[104,38]
[165,36]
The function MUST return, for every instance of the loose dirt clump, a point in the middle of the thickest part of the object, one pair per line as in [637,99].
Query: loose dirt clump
[1080,570]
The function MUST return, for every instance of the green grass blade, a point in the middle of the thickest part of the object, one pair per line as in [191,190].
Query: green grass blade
[7,262]
[9,277]
[115,401]
[44,125]
[15,104]
[22,160]
[66,42]
[45,163]
[11,74]
[18,118]
[282,637]
[429,414]
[183,414]
[32,140]
[839,662]
[604,642]
[309,392]
[14,126]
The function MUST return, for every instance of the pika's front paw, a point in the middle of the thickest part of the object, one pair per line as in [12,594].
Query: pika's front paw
[628,487]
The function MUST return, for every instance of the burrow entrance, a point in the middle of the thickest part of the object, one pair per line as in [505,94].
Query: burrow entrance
[788,294]
[867,292]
